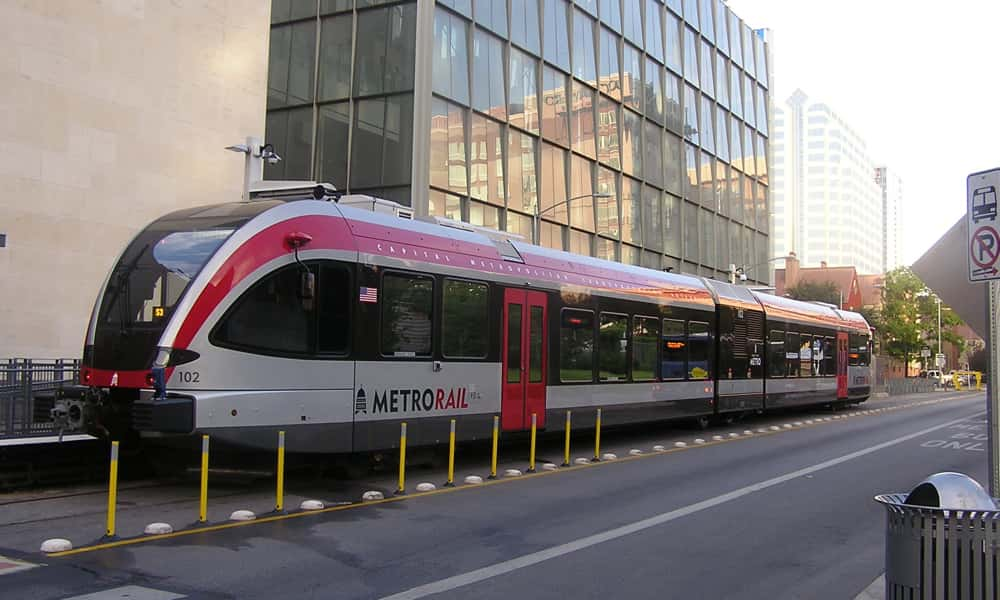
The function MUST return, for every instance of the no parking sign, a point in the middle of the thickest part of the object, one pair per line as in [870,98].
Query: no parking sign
[984,238]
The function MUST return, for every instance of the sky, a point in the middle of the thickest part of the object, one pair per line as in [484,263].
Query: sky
[919,82]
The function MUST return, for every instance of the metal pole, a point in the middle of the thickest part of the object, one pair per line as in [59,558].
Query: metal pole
[993,390]
[279,503]
[566,451]
[451,456]
[253,167]
[203,496]
[493,458]
[402,459]
[531,455]
[939,327]
[112,490]
[597,438]
[535,233]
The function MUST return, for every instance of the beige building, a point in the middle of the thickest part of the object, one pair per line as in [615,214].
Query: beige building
[112,112]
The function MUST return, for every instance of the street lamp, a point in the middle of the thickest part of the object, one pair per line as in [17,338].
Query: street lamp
[253,168]
[536,223]
[741,271]
[939,324]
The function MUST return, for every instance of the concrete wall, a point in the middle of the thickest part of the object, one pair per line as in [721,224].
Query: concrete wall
[112,112]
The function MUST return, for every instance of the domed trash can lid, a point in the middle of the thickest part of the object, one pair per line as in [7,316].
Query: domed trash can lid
[951,490]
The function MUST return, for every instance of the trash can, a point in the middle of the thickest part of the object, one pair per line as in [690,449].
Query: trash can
[941,541]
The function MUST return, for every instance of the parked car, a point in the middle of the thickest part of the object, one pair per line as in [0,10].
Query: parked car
[963,379]
[936,375]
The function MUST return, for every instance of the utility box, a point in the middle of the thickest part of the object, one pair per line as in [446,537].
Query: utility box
[942,540]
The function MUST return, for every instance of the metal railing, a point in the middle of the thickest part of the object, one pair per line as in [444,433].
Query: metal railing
[911,385]
[22,381]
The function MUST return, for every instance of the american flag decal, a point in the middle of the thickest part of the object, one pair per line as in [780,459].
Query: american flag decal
[368,294]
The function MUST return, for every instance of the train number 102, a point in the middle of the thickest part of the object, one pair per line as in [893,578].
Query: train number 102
[189,376]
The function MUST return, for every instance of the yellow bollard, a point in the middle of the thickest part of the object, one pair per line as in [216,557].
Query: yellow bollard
[112,490]
[203,499]
[597,438]
[451,456]
[279,504]
[496,436]
[531,456]
[402,460]
[566,454]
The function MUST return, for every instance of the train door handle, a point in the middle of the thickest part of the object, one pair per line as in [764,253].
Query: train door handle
[436,366]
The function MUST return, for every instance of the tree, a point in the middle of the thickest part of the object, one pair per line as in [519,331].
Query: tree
[910,316]
[901,313]
[824,291]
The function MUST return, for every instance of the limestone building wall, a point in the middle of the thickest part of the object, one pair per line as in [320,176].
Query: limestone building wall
[112,112]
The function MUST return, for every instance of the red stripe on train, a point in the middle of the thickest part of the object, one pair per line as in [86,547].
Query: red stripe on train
[327,231]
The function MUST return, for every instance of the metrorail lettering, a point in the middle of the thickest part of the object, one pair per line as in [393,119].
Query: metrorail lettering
[414,400]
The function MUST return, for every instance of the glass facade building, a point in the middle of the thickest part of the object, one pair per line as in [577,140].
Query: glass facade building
[650,117]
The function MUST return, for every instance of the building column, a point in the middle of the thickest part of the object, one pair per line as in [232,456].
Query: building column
[422,85]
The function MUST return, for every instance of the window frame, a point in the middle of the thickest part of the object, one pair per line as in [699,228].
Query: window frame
[709,358]
[771,367]
[433,314]
[593,347]
[628,346]
[830,345]
[789,370]
[312,353]
[656,345]
[441,326]
[683,323]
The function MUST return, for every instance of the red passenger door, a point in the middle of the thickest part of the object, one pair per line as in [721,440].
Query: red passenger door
[524,358]
[841,365]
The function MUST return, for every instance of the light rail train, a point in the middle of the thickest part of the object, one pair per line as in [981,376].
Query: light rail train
[336,319]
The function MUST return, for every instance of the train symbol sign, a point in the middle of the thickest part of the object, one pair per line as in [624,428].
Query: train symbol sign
[981,220]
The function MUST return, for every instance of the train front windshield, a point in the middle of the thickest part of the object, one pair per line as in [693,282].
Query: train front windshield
[151,277]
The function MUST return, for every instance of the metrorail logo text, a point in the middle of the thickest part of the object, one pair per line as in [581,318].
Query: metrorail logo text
[412,400]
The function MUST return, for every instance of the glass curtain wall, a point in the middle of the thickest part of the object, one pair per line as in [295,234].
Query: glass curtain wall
[663,107]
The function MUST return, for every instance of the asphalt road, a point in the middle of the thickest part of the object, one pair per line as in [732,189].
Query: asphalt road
[784,515]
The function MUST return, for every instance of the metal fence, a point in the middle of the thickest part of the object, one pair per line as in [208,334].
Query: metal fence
[911,385]
[27,390]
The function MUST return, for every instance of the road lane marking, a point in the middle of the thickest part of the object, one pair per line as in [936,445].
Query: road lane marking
[527,560]
[10,565]
[131,592]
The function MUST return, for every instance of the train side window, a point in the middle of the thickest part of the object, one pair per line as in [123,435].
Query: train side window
[536,327]
[514,343]
[852,350]
[863,352]
[776,353]
[817,356]
[269,318]
[334,309]
[576,345]
[829,357]
[699,350]
[791,354]
[464,319]
[644,334]
[805,355]
[612,349]
[674,361]
[407,315]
